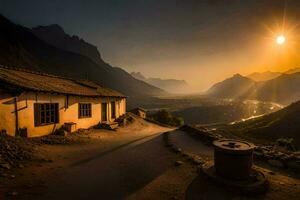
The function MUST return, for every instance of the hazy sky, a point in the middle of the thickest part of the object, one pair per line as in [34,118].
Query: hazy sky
[201,41]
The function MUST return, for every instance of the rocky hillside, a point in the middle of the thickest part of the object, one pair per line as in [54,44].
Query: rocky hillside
[281,124]
[19,47]
[170,85]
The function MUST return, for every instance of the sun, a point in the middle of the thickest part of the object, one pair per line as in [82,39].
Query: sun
[280,39]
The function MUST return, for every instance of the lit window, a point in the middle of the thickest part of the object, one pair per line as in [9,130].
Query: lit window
[45,113]
[85,110]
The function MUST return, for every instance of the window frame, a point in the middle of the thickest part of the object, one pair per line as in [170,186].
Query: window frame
[46,114]
[85,110]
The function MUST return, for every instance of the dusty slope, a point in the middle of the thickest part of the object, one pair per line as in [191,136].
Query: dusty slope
[281,124]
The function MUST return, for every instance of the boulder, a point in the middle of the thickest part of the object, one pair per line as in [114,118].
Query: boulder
[178,163]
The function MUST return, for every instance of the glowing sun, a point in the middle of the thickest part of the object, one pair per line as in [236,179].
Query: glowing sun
[280,39]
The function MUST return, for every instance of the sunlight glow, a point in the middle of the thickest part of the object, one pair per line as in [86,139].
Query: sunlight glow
[280,39]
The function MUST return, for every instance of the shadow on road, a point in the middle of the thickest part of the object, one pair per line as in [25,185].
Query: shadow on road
[113,174]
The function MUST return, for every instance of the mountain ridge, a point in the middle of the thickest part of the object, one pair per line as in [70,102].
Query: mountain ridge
[20,48]
[282,89]
[234,87]
[174,86]
[263,76]
[55,35]
[268,75]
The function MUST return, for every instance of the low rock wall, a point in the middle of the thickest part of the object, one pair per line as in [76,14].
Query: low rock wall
[269,154]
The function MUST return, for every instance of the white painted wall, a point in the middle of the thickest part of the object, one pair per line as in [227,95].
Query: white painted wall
[66,113]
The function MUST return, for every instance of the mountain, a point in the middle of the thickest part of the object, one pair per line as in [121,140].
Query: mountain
[280,124]
[56,36]
[236,86]
[139,76]
[283,89]
[268,75]
[264,76]
[20,47]
[292,71]
[170,85]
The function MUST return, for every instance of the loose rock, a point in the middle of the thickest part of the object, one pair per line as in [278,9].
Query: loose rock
[5,165]
[178,163]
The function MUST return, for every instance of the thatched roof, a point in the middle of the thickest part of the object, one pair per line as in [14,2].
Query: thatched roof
[35,81]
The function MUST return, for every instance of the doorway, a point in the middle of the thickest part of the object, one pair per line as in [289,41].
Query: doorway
[104,111]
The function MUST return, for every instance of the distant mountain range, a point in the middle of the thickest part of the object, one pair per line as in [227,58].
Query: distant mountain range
[284,89]
[49,49]
[268,75]
[170,85]
[263,76]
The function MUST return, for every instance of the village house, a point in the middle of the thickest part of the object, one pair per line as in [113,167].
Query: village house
[139,112]
[37,104]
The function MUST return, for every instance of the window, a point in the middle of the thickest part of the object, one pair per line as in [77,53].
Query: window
[85,110]
[113,109]
[45,113]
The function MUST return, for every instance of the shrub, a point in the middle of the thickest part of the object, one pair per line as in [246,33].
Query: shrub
[165,117]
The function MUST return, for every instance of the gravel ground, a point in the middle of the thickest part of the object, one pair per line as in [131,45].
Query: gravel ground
[282,185]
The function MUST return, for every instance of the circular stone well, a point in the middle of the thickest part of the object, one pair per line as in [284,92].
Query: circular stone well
[233,167]
[233,158]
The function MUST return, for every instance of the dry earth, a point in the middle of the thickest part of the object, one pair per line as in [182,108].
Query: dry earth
[107,164]
[130,163]
[283,184]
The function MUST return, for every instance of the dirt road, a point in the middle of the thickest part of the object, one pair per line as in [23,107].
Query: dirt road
[113,174]
[113,166]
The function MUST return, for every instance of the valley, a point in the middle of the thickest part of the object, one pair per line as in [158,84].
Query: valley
[149,100]
[208,110]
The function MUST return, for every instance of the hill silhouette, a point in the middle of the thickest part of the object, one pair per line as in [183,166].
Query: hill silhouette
[170,85]
[284,89]
[19,47]
[234,87]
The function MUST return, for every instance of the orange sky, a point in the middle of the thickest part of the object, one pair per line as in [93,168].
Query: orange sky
[201,42]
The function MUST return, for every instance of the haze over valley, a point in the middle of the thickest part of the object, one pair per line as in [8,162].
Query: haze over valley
[61,49]
[150,99]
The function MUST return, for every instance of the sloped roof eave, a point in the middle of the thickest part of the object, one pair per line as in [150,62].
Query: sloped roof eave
[38,82]
[70,94]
